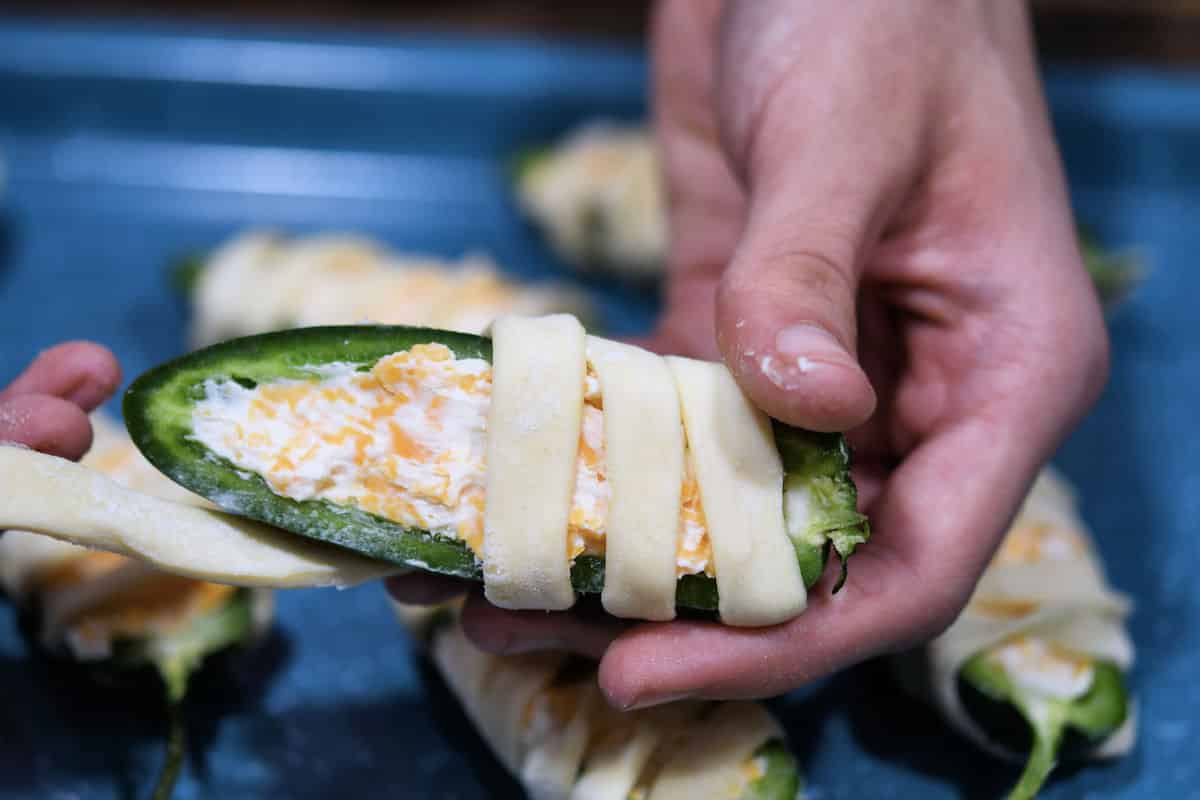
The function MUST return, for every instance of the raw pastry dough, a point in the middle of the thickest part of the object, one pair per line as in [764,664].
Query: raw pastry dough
[569,744]
[612,772]
[1070,605]
[643,447]
[259,282]
[495,691]
[533,439]
[740,476]
[58,498]
[710,760]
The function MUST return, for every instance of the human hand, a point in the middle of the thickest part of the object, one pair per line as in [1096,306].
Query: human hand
[46,406]
[878,173]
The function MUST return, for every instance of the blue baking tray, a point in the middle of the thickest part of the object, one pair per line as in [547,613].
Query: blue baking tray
[130,145]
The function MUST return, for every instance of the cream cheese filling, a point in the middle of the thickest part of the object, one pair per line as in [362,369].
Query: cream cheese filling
[1041,668]
[407,441]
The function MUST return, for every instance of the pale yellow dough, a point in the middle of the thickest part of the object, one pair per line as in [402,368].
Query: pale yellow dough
[576,747]
[1072,606]
[643,441]
[710,760]
[534,420]
[740,476]
[71,502]
[495,691]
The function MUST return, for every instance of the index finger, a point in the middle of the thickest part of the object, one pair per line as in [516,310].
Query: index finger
[83,373]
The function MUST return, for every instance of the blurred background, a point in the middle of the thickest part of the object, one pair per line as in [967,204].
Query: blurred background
[1157,31]
[141,137]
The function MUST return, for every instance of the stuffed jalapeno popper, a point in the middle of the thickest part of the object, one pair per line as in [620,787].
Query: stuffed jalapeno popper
[544,718]
[260,282]
[1037,662]
[598,198]
[570,464]
[118,616]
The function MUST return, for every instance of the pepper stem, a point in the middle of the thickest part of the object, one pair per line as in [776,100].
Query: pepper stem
[174,672]
[1048,723]
[176,745]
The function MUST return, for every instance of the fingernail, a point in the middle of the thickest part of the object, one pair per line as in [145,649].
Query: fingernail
[808,342]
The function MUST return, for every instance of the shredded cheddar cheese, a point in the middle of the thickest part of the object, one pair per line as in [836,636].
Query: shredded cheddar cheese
[1033,542]
[1044,667]
[157,605]
[75,571]
[1007,607]
[406,441]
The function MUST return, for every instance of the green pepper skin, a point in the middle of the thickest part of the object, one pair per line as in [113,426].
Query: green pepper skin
[178,654]
[1114,275]
[1094,717]
[158,408]
[782,778]
[185,274]
[522,164]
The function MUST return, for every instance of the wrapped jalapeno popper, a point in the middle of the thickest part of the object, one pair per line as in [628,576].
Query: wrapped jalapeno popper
[119,616]
[1037,661]
[599,198]
[544,718]
[605,468]
[260,282]
[571,464]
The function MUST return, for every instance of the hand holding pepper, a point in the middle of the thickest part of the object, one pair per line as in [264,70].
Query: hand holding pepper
[867,207]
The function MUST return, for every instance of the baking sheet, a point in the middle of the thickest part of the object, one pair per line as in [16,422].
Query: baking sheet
[130,145]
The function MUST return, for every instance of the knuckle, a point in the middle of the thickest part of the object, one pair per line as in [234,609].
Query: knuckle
[792,269]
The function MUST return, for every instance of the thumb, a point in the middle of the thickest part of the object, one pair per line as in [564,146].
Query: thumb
[786,329]
[822,169]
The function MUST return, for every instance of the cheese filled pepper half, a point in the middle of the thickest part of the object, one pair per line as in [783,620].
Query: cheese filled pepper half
[541,461]
[116,615]
[544,718]
[1036,664]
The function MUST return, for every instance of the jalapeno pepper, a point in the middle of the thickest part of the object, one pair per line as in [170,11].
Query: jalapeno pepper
[771,770]
[1046,726]
[176,657]
[159,407]
[108,616]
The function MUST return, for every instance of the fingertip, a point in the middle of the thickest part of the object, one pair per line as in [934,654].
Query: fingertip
[799,375]
[618,677]
[650,665]
[47,424]
[80,372]
[93,371]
